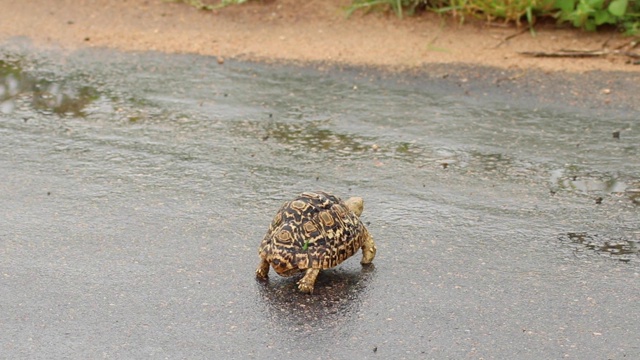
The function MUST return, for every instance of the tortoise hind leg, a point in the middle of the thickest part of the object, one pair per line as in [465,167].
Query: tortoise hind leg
[368,250]
[262,272]
[308,280]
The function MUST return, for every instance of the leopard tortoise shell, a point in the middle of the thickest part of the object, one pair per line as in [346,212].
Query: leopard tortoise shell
[312,232]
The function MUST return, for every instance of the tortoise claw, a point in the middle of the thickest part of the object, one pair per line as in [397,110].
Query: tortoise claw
[262,272]
[305,288]
[307,282]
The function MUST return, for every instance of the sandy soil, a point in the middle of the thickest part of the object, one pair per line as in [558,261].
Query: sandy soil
[302,31]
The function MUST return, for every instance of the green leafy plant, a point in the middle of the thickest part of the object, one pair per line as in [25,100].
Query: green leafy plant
[589,14]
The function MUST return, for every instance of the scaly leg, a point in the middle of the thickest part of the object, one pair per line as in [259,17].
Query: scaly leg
[368,250]
[308,280]
[262,272]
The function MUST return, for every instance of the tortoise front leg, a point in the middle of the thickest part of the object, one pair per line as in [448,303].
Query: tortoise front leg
[262,272]
[368,250]
[308,280]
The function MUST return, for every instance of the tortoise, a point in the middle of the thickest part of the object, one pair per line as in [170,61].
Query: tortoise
[313,232]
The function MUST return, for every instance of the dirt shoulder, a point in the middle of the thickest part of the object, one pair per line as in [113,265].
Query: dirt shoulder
[302,31]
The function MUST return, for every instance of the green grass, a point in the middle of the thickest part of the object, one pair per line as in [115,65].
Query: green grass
[586,14]
[492,10]
[400,7]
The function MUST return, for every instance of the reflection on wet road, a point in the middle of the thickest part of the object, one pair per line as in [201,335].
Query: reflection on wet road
[137,187]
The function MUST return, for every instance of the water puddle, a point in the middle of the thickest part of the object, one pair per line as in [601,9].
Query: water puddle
[624,250]
[19,89]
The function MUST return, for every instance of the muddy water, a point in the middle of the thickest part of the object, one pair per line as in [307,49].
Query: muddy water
[135,189]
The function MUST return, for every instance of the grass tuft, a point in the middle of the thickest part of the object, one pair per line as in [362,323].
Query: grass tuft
[586,14]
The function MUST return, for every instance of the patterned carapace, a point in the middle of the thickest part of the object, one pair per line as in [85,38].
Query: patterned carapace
[314,231]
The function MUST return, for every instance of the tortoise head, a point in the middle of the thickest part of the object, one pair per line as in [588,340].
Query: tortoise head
[356,205]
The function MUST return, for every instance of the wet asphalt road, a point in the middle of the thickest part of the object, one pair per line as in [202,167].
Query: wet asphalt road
[135,189]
